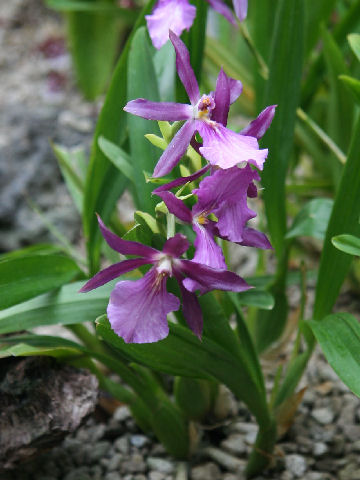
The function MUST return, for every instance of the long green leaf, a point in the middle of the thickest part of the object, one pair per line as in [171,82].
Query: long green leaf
[32,275]
[353,84]
[65,306]
[312,220]
[118,157]
[339,338]
[347,243]
[334,265]
[142,83]
[354,41]
[283,90]
[127,14]
[104,183]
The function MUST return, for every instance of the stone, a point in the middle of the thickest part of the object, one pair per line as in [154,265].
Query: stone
[134,464]
[122,445]
[153,475]
[97,451]
[320,449]
[234,444]
[323,415]
[114,462]
[224,459]
[206,472]
[81,473]
[295,464]
[113,476]
[160,464]
[121,414]
[138,441]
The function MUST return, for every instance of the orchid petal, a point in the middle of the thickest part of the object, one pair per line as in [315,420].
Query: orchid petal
[175,15]
[168,111]
[223,9]
[240,7]
[236,89]
[138,309]
[114,271]
[175,150]
[254,238]
[191,309]
[125,247]
[184,69]
[210,278]
[225,148]
[176,206]
[222,99]
[258,127]
[181,180]
[176,245]
[232,218]
[207,251]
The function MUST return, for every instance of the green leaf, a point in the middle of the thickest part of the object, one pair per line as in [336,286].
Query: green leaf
[312,220]
[339,338]
[38,249]
[316,13]
[283,90]
[25,350]
[90,35]
[143,155]
[91,7]
[32,275]
[104,183]
[182,354]
[256,298]
[334,265]
[65,306]
[118,157]
[352,84]
[354,42]
[75,184]
[347,243]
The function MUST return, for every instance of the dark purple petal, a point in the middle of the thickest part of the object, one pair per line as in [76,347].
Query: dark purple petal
[125,247]
[109,273]
[138,309]
[175,150]
[240,7]
[184,69]
[181,180]
[210,278]
[225,148]
[222,99]
[223,9]
[191,309]
[253,238]
[232,218]
[258,127]
[207,251]
[176,206]
[236,89]
[252,190]
[176,245]
[175,15]
[168,111]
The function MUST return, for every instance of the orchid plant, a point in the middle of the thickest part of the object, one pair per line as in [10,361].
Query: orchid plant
[171,304]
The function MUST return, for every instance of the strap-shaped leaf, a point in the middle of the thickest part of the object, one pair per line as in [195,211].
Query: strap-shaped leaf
[312,220]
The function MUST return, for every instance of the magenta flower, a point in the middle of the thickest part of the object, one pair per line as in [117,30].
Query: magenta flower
[138,309]
[225,195]
[207,115]
[179,15]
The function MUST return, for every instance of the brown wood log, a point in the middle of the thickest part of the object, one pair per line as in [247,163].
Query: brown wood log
[41,401]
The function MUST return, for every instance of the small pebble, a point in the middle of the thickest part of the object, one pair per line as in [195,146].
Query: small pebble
[323,415]
[113,476]
[122,445]
[114,462]
[296,464]
[121,414]
[138,440]
[224,459]
[160,464]
[134,464]
[153,475]
[320,449]
[206,472]
[234,444]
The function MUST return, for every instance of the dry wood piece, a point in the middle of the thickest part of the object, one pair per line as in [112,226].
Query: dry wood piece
[41,401]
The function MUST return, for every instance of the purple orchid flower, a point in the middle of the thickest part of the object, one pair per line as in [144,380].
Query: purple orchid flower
[224,193]
[207,115]
[179,15]
[138,309]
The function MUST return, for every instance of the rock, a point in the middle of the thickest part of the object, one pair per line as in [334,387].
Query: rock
[134,464]
[224,459]
[323,415]
[206,472]
[296,464]
[320,449]
[113,476]
[121,414]
[37,413]
[153,475]
[114,462]
[97,451]
[81,473]
[234,444]
[160,464]
[122,445]
[138,440]
[96,432]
